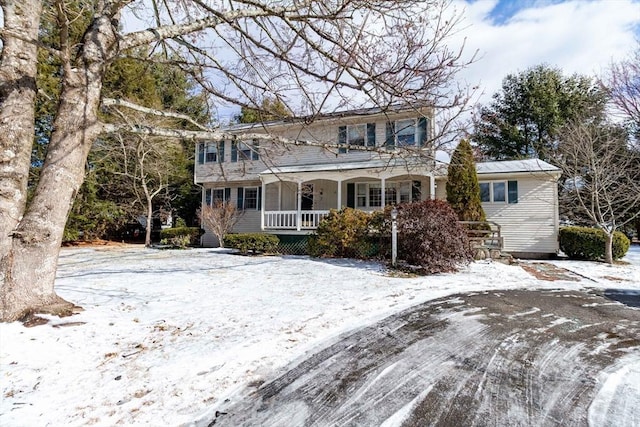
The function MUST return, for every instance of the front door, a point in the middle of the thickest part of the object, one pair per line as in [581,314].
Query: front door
[307,197]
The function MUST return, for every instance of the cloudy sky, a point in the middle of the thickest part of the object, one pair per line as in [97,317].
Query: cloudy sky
[578,36]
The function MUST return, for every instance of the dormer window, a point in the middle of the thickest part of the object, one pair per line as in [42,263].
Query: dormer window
[407,133]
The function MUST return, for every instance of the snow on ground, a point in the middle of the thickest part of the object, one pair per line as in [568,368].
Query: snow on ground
[166,336]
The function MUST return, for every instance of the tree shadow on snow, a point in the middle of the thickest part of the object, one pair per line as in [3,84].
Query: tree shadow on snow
[629,297]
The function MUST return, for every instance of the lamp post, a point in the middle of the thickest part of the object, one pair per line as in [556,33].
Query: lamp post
[394,236]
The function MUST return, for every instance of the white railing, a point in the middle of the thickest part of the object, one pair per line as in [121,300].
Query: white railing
[293,220]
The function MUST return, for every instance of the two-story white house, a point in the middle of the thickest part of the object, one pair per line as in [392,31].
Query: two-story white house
[365,159]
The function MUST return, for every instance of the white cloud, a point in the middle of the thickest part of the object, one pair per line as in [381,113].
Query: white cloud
[576,36]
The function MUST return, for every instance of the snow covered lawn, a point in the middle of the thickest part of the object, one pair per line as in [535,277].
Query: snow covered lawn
[166,336]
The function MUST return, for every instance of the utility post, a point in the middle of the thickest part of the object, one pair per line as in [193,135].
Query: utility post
[394,236]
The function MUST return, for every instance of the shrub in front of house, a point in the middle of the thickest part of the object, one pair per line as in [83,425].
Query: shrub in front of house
[586,243]
[252,242]
[181,236]
[343,233]
[431,238]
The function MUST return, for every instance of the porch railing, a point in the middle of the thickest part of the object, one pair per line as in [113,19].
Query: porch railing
[293,220]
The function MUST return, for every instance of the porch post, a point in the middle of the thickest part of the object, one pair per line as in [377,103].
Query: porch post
[263,196]
[432,187]
[279,195]
[339,204]
[299,215]
[382,192]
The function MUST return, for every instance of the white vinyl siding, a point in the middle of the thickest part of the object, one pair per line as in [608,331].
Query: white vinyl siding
[531,224]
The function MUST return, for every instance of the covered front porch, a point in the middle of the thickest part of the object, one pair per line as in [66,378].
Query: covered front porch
[295,199]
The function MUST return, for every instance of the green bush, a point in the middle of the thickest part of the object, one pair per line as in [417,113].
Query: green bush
[177,234]
[589,243]
[344,233]
[252,242]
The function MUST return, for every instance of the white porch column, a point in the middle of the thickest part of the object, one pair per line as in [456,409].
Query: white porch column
[299,215]
[432,187]
[263,197]
[339,204]
[279,195]
[382,192]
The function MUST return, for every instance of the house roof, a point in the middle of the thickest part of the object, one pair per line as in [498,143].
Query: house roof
[325,116]
[512,166]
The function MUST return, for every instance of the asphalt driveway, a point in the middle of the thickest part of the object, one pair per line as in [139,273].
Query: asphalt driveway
[511,358]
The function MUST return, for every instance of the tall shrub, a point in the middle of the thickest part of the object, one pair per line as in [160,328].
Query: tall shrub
[463,190]
[430,236]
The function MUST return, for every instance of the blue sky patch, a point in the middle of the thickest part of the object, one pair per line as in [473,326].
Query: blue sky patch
[504,10]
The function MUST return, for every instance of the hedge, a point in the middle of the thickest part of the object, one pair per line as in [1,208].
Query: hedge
[252,242]
[193,233]
[586,243]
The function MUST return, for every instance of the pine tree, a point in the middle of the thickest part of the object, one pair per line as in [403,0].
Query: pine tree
[463,190]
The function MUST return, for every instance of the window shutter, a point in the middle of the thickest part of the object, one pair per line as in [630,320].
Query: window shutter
[390,141]
[240,199]
[512,191]
[351,195]
[234,151]
[200,153]
[342,139]
[227,194]
[255,153]
[371,134]
[416,191]
[422,131]
[220,151]
[259,197]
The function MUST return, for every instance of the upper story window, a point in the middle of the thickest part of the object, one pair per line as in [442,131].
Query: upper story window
[499,192]
[244,151]
[357,135]
[211,152]
[407,132]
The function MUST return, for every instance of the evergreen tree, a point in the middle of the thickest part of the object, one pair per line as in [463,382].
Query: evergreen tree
[525,117]
[463,190]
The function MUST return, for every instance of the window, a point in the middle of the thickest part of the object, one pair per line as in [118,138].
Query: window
[405,192]
[361,201]
[216,195]
[485,192]
[244,151]
[357,135]
[375,195]
[369,195]
[249,198]
[499,192]
[391,194]
[407,132]
[211,152]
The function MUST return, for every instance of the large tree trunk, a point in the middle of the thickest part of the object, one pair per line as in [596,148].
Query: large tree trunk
[29,266]
[18,70]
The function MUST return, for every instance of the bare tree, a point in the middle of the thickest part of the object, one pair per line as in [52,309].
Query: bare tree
[220,218]
[601,177]
[314,55]
[144,164]
[622,83]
